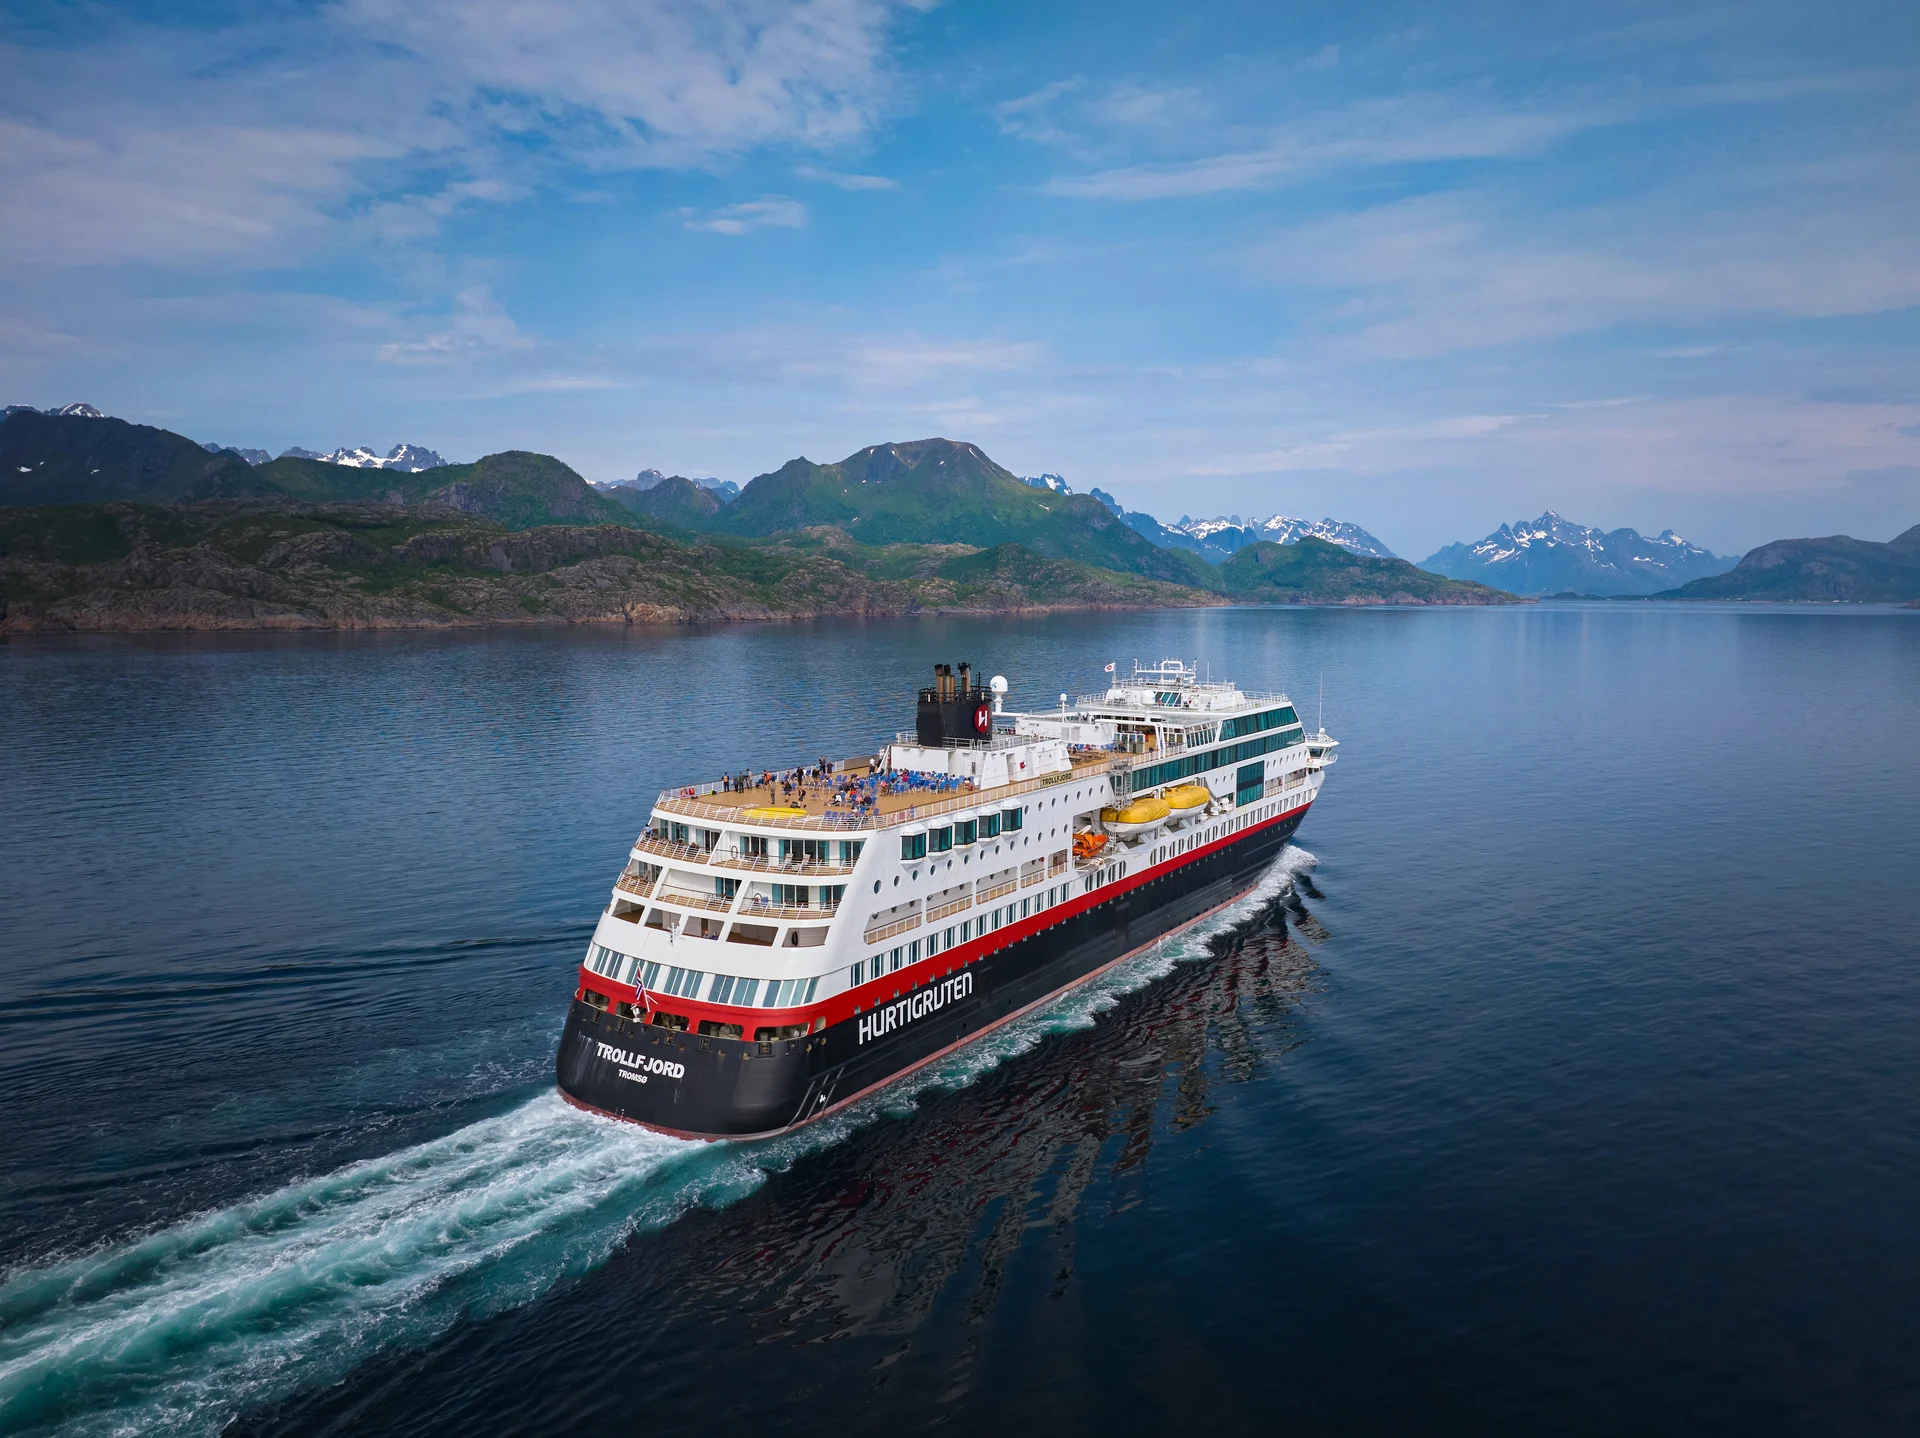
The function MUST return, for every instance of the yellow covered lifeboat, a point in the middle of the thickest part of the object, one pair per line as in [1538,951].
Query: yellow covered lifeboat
[1142,816]
[1186,800]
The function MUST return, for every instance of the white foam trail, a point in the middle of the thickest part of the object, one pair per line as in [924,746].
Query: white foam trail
[179,1330]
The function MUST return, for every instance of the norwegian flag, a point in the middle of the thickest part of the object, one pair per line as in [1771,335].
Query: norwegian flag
[1109,669]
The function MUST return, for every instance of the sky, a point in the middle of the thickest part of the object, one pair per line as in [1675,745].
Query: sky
[1423,268]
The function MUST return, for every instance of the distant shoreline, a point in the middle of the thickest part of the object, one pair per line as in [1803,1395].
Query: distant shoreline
[30,619]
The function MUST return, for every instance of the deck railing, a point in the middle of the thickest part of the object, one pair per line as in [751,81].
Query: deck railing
[755,910]
[759,865]
[670,802]
[952,906]
[888,930]
[688,900]
[635,885]
[1005,886]
[669,849]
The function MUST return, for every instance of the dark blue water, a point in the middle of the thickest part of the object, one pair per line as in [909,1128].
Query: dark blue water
[1564,1077]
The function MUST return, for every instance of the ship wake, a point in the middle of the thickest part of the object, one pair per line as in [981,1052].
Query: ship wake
[233,1310]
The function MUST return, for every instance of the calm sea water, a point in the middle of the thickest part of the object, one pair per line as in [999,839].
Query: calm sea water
[1564,1076]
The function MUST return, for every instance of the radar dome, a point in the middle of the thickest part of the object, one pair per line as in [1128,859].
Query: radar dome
[998,684]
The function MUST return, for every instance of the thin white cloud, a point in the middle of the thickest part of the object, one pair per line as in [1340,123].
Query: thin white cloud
[1445,273]
[1403,130]
[171,195]
[669,82]
[770,212]
[844,180]
[478,329]
[261,143]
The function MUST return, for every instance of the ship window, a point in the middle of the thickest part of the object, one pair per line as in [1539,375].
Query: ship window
[856,974]
[719,991]
[940,840]
[726,888]
[650,975]
[782,1031]
[670,1021]
[595,999]
[899,956]
[715,1030]
[1013,819]
[913,846]
[913,952]
[760,934]
[966,832]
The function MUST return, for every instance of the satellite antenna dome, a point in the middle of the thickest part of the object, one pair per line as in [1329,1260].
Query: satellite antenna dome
[998,684]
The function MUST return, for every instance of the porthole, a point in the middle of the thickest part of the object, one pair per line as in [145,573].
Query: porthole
[896,881]
[876,886]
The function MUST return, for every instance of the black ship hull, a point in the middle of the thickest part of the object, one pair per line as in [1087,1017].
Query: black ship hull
[712,1087]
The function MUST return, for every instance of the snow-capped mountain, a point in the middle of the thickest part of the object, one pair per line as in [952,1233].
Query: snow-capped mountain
[407,458]
[1231,532]
[1551,555]
[1047,481]
[78,411]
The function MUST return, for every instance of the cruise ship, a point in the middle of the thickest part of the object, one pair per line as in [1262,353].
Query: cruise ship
[777,947]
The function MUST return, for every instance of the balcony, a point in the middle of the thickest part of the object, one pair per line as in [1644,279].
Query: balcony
[1005,886]
[754,863]
[687,900]
[667,848]
[635,885]
[757,910]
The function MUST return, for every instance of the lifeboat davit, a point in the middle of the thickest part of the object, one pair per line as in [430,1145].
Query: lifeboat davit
[1142,816]
[1187,800]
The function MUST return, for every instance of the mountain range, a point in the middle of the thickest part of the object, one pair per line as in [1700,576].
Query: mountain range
[407,458]
[113,524]
[1218,540]
[1551,555]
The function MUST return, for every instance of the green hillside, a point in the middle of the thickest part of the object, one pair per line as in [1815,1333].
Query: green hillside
[1314,571]
[937,491]
[1838,567]
[73,459]
[70,459]
[276,563]
[675,501]
[516,488]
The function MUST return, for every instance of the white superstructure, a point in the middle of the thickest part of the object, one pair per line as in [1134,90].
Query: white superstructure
[763,906]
